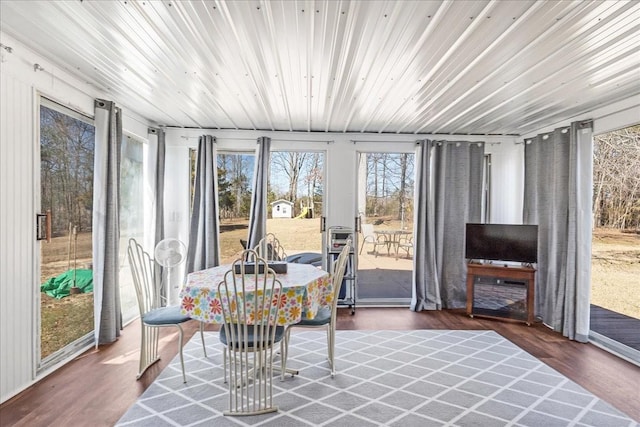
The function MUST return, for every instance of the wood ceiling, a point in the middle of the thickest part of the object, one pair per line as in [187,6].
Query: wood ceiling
[437,67]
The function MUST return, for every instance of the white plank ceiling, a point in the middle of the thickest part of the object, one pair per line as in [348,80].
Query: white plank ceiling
[461,67]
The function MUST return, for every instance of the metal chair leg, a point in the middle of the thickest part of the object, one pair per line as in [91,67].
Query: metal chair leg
[184,377]
[204,347]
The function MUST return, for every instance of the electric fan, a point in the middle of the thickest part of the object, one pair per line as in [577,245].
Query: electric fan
[170,253]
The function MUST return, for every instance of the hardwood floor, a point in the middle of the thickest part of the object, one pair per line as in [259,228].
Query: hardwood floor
[99,386]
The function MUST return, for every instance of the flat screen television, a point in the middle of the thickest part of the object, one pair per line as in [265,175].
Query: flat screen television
[502,242]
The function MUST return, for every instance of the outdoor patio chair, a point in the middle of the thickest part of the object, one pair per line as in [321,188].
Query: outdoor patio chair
[405,243]
[369,236]
[326,316]
[153,315]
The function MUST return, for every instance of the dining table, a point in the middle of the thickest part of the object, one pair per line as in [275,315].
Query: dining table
[305,290]
[392,238]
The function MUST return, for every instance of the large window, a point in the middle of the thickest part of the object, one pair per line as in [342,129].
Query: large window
[131,217]
[67,141]
[235,184]
[615,296]
[296,183]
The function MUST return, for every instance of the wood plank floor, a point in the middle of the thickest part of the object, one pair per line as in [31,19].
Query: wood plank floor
[99,386]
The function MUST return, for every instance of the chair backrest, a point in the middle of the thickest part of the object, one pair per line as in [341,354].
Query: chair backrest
[270,249]
[142,270]
[407,239]
[251,303]
[367,230]
[250,293]
[338,271]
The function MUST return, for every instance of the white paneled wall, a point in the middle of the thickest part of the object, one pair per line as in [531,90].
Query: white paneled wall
[17,278]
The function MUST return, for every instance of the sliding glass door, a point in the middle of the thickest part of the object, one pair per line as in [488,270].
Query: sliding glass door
[615,292]
[67,141]
[385,210]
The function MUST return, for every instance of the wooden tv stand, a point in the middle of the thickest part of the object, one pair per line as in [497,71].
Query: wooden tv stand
[500,292]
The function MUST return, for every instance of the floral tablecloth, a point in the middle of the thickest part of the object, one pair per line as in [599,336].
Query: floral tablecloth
[305,289]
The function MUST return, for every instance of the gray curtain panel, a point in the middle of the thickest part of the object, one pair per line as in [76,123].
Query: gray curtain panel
[557,197]
[204,229]
[157,159]
[448,195]
[159,186]
[258,215]
[426,285]
[106,223]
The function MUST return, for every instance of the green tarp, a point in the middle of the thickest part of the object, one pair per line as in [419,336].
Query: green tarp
[58,287]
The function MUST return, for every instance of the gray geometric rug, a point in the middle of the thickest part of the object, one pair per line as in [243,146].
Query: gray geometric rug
[384,378]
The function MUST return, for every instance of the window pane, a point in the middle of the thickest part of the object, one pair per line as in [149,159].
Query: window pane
[66,176]
[294,201]
[131,217]
[615,299]
[235,184]
[385,255]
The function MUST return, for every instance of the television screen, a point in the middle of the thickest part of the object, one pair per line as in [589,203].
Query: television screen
[502,242]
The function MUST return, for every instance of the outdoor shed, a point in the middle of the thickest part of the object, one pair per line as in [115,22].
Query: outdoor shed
[281,209]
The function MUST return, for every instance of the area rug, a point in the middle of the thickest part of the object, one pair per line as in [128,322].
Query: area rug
[385,378]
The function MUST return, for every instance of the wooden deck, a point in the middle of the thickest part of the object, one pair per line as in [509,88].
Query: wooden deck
[616,326]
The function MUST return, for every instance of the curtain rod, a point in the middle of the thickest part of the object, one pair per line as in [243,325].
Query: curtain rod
[370,141]
[458,143]
[255,139]
[545,135]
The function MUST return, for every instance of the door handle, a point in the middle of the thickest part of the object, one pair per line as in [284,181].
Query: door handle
[43,226]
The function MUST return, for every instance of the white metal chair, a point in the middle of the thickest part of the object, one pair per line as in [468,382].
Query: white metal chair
[152,314]
[369,236]
[405,243]
[250,306]
[270,249]
[326,316]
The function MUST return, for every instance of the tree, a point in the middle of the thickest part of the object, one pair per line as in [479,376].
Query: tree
[234,170]
[66,164]
[226,198]
[616,179]
[291,164]
[389,184]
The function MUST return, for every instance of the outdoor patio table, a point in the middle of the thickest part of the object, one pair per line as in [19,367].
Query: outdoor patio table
[305,289]
[392,238]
